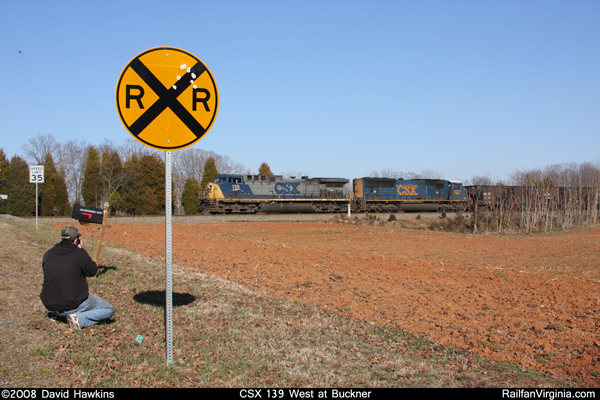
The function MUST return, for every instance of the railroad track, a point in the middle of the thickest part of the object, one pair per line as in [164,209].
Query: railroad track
[246,217]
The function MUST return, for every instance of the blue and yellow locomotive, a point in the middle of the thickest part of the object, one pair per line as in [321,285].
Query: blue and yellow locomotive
[234,193]
[380,195]
[241,194]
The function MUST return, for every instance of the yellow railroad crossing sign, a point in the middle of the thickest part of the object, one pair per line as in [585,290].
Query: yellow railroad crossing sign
[167,98]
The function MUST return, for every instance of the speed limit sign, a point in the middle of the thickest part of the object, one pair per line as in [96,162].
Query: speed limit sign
[36,174]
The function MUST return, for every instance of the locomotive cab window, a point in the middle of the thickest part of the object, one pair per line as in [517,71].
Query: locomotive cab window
[235,180]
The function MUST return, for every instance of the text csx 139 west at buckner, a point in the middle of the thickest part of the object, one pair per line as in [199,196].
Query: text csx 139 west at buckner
[304,394]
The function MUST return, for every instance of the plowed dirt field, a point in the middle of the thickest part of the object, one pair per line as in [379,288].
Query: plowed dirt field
[533,301]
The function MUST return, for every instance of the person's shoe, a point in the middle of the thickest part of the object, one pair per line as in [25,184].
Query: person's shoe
[54,317]
[73,321]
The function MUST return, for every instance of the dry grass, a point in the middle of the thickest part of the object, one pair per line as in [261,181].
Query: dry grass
[225,335]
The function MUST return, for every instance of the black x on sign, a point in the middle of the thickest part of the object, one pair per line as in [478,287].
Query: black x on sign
[167,98]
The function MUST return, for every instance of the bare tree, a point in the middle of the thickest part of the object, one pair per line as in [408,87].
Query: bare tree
[107,146]
[132,147]
[226,165]
[542,199]
[386,173]
[114,177]
[427,174]
[390,173]
[189,163]
[37,148]
[484,180]
[70,163]
[292,174]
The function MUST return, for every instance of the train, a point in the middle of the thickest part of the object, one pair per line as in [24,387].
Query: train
[250,194]
[382,195]
[523,198]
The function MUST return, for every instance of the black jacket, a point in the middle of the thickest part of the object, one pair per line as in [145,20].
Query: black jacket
[65,268]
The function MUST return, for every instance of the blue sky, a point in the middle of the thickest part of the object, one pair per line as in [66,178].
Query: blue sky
[326,88]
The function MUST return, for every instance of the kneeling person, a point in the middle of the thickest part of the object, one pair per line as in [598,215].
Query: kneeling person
[65,291]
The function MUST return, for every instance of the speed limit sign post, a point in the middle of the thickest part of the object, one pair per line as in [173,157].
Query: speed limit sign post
[36,175]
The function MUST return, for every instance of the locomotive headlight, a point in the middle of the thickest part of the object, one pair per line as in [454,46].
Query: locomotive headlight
[214,190]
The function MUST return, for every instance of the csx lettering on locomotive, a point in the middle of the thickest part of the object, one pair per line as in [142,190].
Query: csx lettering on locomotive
[287,188]
[407,190]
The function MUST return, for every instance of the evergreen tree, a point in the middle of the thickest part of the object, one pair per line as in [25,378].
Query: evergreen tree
[264,169]
[21,194]
[61,202]
[210,173]
[189,196]
[113,198]
[3,166]
[91,188]
[152,175]
[53,196]
[47,192]
[63,207]
[131,199]
[113,178]
[145,195]
[3,171]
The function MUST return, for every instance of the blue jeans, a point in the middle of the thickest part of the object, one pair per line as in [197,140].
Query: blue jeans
[91,311]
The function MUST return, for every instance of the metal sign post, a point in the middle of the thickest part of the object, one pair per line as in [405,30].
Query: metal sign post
[169,259]
[36,175]
[168,100]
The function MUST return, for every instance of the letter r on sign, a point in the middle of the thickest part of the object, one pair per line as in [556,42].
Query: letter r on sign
[137,97]
[202,100]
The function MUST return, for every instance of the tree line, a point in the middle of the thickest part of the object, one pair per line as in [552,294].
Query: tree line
[131,177]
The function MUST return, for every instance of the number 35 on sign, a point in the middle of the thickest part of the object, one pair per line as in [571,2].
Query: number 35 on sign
[36,174]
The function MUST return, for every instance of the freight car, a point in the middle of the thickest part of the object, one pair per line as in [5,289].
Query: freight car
[381,195]
[234,193]
[491,197]
[528,198]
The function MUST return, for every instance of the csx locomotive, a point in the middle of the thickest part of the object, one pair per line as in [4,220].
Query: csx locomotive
[234,193]
[396,195]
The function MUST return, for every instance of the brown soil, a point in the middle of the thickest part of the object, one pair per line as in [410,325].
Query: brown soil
[531,301]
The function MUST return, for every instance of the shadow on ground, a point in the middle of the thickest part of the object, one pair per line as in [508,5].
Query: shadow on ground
[158,298]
